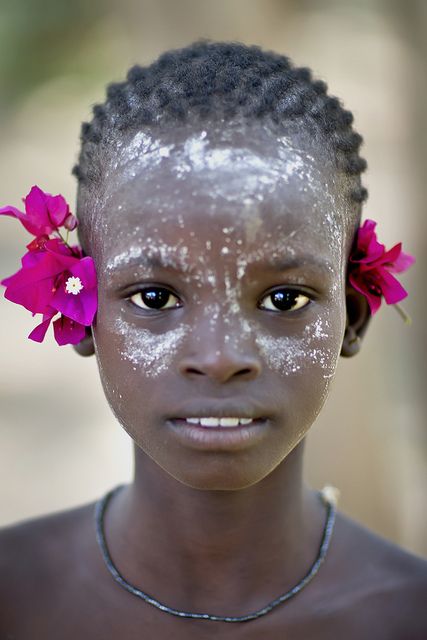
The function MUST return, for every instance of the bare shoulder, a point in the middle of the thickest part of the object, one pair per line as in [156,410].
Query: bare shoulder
[381,555]
[34,554]
[31,540]
[381,584]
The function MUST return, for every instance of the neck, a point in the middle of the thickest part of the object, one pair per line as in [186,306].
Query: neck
[217,551]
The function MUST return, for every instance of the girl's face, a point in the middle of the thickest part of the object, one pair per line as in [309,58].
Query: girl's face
[221,268]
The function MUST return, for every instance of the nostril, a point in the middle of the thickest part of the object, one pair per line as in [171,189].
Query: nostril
[243,372]
[201,372]
[191,370]
[222,368]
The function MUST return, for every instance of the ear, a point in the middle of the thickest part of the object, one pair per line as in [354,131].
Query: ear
[86,346]
[358,316]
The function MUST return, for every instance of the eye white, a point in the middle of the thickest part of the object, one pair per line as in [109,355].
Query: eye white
[300,301]
[137,299]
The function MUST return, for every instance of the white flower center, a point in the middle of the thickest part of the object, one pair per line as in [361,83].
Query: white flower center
[73,285]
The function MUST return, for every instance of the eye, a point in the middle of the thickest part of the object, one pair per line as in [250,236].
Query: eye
[154,298]
[286,300]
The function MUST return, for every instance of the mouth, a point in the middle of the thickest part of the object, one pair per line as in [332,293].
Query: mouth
[216,422]
[229,433]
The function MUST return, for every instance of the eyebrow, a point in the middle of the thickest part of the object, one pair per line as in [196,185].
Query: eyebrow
[146,260]
[280,264]
[283,264]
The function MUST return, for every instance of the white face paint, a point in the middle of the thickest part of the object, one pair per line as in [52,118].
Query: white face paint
[149,351]
[222,180]
[174,256]
[292,355]
[213,206]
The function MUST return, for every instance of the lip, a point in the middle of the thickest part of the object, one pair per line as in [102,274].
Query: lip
[219,438]
[242,408]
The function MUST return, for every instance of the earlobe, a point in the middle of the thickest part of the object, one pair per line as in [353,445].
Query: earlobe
[86,346]
[358,317]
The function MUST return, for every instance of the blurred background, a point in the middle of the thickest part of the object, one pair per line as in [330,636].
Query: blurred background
[60,445]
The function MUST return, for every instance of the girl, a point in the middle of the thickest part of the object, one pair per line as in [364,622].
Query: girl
[219,198]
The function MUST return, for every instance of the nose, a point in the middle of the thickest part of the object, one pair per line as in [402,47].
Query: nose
[220,359]
[223,365]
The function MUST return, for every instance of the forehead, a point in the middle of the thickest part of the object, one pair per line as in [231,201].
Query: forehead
[191,182]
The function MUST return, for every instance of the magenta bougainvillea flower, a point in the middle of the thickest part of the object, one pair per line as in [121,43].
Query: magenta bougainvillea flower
[371,265]
[54,277]
[44,213]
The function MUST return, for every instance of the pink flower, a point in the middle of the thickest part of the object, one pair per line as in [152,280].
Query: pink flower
[44,213]
[55,279]
[370,268]
[54,276]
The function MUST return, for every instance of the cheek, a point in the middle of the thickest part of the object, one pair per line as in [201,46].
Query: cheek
[313,350]
[146,351]
[130,359]
[307,363]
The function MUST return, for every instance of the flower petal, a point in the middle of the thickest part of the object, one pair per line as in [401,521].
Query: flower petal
[402,263]
[33,285]
[82,306]
[85,270]
[39,332]
[23,218]
[68,331]
[57,208]
[32,293]
[374,300]
[368,248]
[44,213]
[31,258]
[37,212]
[391,288]
[66,255]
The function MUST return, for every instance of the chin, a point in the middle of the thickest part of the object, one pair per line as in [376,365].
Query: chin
[219,475]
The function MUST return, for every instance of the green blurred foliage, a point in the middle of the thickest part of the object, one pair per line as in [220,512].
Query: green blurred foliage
[40,39]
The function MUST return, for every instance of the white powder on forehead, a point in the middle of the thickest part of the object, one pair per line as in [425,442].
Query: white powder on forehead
[262,174]
[248,176]
[152,352]
[141,151]
[198,153]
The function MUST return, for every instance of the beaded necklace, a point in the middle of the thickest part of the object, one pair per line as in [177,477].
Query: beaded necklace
[328,495]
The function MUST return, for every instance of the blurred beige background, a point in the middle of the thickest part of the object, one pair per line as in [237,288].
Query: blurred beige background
[60,445]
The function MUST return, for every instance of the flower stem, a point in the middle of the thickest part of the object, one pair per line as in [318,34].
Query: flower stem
[65,241]
[401,311]
[59,234]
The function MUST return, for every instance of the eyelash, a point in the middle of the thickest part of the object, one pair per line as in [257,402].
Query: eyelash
[293,292]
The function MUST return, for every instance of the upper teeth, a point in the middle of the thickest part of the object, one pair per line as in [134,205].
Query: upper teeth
[219,422]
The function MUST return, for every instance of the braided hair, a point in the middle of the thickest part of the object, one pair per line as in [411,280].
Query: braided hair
[220,79]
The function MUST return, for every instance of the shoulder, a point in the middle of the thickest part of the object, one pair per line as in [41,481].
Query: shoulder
[380,584]
[33,554]
[378,555]
[30,540]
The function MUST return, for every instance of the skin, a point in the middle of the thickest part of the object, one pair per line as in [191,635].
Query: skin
[220,345]
[242,527]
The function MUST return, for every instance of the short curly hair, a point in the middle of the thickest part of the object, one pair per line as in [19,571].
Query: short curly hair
[220,79]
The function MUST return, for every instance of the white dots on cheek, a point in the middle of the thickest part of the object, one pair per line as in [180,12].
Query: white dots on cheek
[282,354]
[151,352]
[294,355]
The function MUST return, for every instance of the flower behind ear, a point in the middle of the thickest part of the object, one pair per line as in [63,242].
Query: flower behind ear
[54,277]
[44,213]
[370,268]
